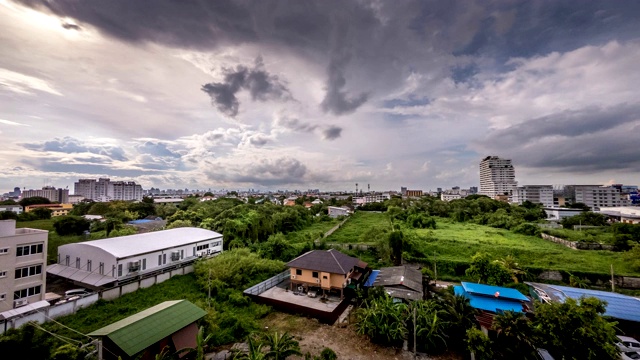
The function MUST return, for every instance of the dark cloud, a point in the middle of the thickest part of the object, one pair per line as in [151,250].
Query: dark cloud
[266,172]
[586,140]
[261,85]
[336,100]
[258,140]
[70,26]
[295,124]
[332,132]
[69,145]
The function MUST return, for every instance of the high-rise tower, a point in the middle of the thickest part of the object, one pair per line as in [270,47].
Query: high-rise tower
[497,177]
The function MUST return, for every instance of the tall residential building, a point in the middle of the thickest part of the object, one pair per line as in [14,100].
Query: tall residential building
[23,263]
[105,190]
[497,177]
[594,196]
[537,194]
[49,192]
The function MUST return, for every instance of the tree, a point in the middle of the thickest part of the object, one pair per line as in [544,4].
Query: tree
[255,351]
[41,213]
[479,344]
[430,325]
[396,243]
[71,225]
[586,218]
[514,339]
[592,336]
[8,215]
[382,320]
[486,271]
[281,346]
[180,223]
[35,200]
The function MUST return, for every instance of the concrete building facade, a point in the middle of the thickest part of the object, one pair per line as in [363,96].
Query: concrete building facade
[104,190]
[54,195]
[13,208]
[594,196]
[497,177]
[23,262]
[537,194]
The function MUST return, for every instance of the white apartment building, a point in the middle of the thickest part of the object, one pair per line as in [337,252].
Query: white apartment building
[594,196]
[449,197]
[23,261]
[497,177]
[54,195]
[14,208]
[537,194]
[334,211]
[372,198]
[104,190]
[101,262]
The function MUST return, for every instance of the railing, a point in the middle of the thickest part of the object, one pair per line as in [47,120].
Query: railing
[268,284]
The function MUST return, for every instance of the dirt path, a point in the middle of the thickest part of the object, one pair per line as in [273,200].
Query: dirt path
[313,337]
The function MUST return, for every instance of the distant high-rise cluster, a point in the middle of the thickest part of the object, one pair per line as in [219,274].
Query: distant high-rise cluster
[497,177]
[106,190]
[49,192]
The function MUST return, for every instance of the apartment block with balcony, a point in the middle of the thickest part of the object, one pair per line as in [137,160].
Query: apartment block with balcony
[594,196]
[497,177]
[49,192]
[23,262]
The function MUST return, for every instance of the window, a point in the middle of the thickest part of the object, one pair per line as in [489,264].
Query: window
[144,264]
[19,294]
[119,270]
[66,260]
[89,265]
[164,259]
[28,271]
[324,277]
[3,274]
[159,259]
[314,274]
[181,254]
[202,247]
[4,251]
[101,268]
[298,272]
[3,297]
[194,251]
[216,243]
[77,263]
[29,250]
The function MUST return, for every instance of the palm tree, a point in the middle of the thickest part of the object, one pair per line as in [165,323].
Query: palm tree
[515,335]
[509,262]
[281,346]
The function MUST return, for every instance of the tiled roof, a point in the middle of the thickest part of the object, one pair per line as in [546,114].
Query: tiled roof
[331,261]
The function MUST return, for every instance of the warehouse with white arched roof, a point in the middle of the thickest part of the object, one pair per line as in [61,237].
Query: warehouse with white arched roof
[101,262]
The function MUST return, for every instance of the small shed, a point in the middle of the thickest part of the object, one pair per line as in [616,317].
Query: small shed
[145,334]
[491,300]
[401,282]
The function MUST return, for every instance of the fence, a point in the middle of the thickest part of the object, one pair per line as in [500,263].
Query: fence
[70,307]
[268,284]
[578,245]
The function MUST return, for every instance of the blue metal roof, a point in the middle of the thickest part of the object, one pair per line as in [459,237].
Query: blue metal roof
[618,305]
[372,278]
[493,291]
[489,303]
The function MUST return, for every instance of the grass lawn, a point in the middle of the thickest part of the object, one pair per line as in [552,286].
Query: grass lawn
[361,221]
[458,242]
[312,232]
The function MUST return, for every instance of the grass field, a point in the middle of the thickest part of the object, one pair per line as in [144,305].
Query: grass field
[458,242]
[354,230]
[311,232]
[600,235]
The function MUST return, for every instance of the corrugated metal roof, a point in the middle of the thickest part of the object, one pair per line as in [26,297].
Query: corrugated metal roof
[372,278]
[494,291]
[619,306]
[126,246]
[81,276]
[404,276]
[331,261]
[139,331]
[489,303]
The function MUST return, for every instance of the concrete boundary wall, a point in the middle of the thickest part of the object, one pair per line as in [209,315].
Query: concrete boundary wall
[70,307]
[577,245]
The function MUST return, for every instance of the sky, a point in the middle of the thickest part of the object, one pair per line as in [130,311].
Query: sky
[295,94]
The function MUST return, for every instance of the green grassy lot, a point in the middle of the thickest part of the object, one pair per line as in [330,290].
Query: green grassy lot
[311,232]
[457,242]
[601,235]
[352,231]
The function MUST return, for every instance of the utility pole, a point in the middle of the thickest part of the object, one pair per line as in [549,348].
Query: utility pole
[415,354]
[435,269]
[209,285]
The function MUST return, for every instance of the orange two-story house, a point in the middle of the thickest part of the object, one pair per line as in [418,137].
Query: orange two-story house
[325,269]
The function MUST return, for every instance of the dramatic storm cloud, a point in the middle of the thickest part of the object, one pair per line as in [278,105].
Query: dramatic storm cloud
[317,94]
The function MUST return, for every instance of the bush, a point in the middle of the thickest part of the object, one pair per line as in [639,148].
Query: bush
[527,229]
[71,225]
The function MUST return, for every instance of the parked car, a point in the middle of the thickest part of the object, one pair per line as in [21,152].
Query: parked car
[77,292]
[630,355]
[626,344]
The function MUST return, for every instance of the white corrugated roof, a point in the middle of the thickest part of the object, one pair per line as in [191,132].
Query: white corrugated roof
[125,246]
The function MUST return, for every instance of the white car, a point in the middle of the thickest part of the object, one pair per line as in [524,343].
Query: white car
[630,355]
[76,292]
[628,344]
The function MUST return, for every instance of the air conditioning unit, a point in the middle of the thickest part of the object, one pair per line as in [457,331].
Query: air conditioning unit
[293,276]
[318,281]
[175,255]
[133,266]
[20,302]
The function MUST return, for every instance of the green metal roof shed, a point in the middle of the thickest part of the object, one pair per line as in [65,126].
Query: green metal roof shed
[137,332]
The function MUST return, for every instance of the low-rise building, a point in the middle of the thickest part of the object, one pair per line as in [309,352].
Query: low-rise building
[23,260]
[537,194]
[625,214]
[13,208]
[56,209]
[400,282]
[334,211]
[326,270]
[370,198]
[100,262]
[49,192]
[449,197]
[594,196]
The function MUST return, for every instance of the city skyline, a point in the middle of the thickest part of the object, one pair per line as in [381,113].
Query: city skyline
[290,94]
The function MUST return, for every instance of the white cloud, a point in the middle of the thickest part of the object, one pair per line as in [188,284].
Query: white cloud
[24,84]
